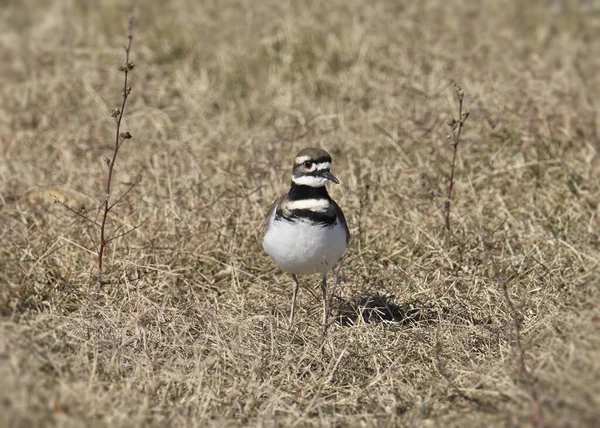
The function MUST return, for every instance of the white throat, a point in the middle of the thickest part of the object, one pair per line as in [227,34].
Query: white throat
[310,180]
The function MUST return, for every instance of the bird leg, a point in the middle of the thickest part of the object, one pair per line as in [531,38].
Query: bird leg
[325,306]
[295,293]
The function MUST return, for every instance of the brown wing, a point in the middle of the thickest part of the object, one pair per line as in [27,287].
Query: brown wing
[340,215]
[265,224]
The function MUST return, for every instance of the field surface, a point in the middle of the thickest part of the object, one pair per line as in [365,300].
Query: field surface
[496,324]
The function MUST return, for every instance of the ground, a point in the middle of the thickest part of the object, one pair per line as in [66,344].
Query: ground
[495,323]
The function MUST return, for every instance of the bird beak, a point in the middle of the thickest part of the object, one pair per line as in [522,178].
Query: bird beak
[329,176]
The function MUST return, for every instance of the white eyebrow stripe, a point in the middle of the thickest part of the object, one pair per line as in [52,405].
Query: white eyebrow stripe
[319,205]
[301,159]
[323,165]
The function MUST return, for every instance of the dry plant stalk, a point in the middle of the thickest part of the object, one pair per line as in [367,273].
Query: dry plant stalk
[536,410]
[457,126]
[120,138]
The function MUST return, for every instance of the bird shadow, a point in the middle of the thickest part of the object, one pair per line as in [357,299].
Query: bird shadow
[375,308]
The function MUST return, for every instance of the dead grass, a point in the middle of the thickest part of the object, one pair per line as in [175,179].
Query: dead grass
[191,329]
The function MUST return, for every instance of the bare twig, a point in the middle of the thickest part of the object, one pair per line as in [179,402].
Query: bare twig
[120,137]
[536,410]
[457,126]
[77,212]
[127,232]
[137,181]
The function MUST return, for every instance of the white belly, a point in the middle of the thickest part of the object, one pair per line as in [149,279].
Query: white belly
[302,248]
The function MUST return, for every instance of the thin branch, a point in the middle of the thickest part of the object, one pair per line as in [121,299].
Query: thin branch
[92,240]
[128,231]
[138,180]
[79,213]
[457,126]
[119,138]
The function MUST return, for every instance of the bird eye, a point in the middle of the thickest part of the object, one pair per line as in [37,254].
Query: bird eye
[308,164]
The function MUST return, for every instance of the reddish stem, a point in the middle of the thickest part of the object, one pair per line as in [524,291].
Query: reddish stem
[105,206]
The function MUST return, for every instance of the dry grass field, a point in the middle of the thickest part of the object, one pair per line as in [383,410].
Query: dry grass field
[496,326]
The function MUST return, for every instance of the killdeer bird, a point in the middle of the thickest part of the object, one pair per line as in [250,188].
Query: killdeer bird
[305,231]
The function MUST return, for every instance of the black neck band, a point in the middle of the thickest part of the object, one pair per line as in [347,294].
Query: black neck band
[301,191]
